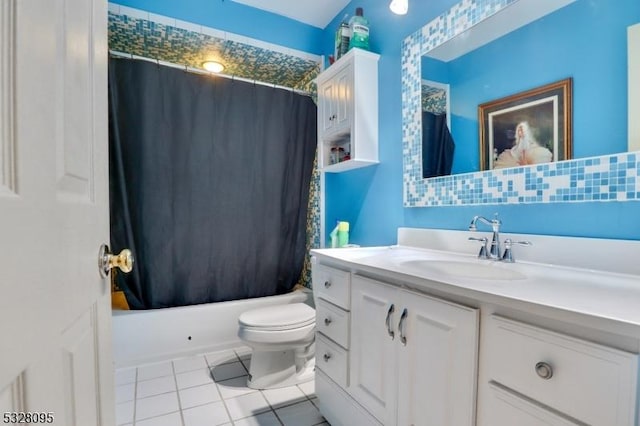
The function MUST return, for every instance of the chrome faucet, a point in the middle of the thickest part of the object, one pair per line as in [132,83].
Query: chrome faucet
[494,250]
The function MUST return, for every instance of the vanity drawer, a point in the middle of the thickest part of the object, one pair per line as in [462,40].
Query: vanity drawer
[589,382]
[333,322]
[505,408]
[332,360]
[332,284]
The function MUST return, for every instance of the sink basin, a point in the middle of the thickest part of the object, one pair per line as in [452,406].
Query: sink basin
[483,270]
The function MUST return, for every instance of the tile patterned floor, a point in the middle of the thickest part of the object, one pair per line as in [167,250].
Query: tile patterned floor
[207,390]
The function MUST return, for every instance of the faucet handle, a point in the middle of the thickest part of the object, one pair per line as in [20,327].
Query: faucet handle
[508,253]
[483,254]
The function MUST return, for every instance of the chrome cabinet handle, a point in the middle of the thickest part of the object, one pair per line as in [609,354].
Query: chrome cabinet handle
[327,357]
[327,321]
[544,370]
[327,284]
[403,337]
[388,321]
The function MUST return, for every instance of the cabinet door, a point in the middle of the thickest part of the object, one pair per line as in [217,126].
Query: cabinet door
[372,355]
[327,106]
[437,363]
[344,91]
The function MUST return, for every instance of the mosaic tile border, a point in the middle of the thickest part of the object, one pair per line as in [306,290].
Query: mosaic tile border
[162,38]
[609,178]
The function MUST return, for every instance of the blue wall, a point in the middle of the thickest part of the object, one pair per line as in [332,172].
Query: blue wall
[371,199]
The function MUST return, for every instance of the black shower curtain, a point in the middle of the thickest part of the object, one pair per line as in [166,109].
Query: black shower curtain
[209,183]
[437,145]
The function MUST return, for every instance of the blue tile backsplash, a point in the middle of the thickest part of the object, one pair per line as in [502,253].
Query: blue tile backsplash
[610,178]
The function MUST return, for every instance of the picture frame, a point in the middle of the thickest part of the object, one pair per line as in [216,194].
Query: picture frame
[530,127]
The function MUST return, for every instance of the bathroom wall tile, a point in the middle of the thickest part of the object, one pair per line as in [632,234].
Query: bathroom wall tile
[194,378]
[156,405]
[156,386]
[228,371]
[284,396]
[161,19]
[172,419]
[206,415]
[124,413]
[125,393]
[114,8]
[188,26]
[178,42]
[189,364]
[125,376]
[214,32]
[301,414]
[153,371]
[234,387]
[134,13]
[199,395]
[247,405]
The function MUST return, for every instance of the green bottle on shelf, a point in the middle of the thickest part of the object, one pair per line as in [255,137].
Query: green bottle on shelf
[359,30]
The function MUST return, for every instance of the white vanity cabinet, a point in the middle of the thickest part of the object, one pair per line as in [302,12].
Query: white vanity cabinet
[433,345]
[348,112]
[413,357]
[532,375]
[332,288]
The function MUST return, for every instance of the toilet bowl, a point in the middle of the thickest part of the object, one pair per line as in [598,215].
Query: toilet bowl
[282,341]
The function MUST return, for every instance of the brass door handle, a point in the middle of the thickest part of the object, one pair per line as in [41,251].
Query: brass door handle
[107,261]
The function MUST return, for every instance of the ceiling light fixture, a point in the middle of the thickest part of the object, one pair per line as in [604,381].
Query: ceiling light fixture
[399,7]
[213,66]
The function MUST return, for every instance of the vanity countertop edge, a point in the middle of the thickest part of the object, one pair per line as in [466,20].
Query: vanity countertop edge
[600,299]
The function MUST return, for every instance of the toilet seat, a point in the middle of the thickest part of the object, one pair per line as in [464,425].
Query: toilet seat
[278,318]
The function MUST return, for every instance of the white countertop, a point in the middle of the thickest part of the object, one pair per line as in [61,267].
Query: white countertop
[595,293]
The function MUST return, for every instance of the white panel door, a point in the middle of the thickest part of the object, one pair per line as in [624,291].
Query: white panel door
[55,318]
[437,362]
[372,358]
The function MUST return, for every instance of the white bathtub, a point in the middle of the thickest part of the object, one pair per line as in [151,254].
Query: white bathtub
[145,336]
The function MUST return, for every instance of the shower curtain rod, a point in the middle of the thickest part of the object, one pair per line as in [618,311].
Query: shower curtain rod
[200,71]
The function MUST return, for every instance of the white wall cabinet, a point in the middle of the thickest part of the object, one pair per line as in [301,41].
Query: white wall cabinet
[348,112]
[413,357]
[335,106]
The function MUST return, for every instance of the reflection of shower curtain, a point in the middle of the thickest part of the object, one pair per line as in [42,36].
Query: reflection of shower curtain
[209,184]
[437,145]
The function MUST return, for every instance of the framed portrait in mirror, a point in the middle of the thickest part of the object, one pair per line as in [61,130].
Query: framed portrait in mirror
[530,127]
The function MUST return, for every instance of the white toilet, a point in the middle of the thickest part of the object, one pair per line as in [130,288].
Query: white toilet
[282,339]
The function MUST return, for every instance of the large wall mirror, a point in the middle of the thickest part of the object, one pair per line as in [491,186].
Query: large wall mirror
[488,51]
